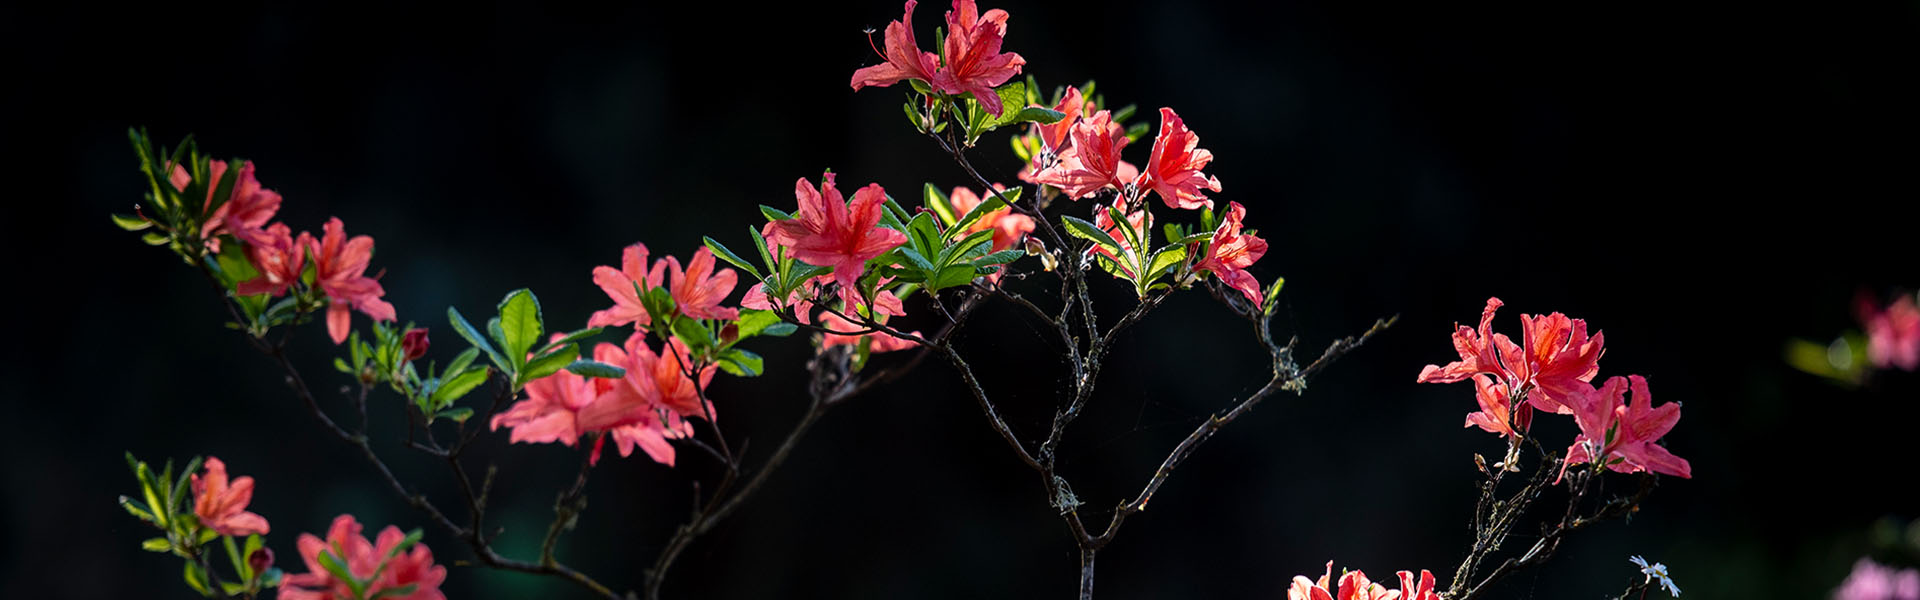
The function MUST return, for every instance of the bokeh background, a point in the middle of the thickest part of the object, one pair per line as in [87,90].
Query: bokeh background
[1702,182]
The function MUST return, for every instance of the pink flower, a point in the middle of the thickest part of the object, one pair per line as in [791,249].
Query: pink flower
[1554,367]
[340,265]
[278,257]
[829,232]
[1055,137]
[1874,581]
[1173,171]
[1893,334]
[1353,585]
[1308,589]
[661,379]
[246,211]
[974,62]
[619,284]
[1496,409]
[1230,253]
[905,60]
[222,505]
[1008,228]
[1423,590]
[1633,429]
[1093,163]
[756,298]
[364,561]
[881,341]
[699,290]
[563,406]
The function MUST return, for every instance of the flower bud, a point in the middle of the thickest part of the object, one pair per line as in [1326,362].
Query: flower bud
[260,560]
[414,343]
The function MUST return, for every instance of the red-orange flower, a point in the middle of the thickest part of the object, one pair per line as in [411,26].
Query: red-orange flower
[341,265]
[1553,367]
[1230,252]
[1612,428]
[221,505]
[278,258]
[1055,138]
[1497,413]
[619,285]
[406,569]
[563,406]
[1093,163]
[1173,171]
[905,60]
[699,290]
[974,63]
[246,211]
[829,232]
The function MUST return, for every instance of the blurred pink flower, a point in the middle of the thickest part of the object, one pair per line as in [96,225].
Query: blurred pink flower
[1893,333]
[367,562]
[1874,581]
[619,285]
[221,505]
[563,406]
[340,265]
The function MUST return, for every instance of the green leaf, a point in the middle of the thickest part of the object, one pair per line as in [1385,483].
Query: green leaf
[178,497]
[570,337]
[458,415]
[467,332]
[452,389]
[1166,258]
[1273,292]
[721,251]
[1082,229]
[196,578]
[966,244]
[773,214]
[694,333]
[549,363]
[254,542]
[999,258]
[1126,229]
[519,324]
[782,329]
[918,262]
[590,368]
[129,222]
[932,198]
[753,321]
[951,276]
[413,537]
[924,235]
[155,238]
[1125,112]
[147,487]
[233,556]
[1013,98]
[135,508]
[1135,132]
[340,364]
[741,363]
[760,244]
[338,568]
[461,361]
[989,203]
[159,544]
[1198,237]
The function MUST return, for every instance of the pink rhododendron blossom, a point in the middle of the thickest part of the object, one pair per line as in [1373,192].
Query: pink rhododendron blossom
[1874,581]
[699,290]
[563,406]
[1055,138]
[905,60]
[1353,585]
[1008,227]
[279,258]
[1173,171]
[1611,428]
[1230,253]
[341,265]
[827,231]
[1094,161]
[1553,367]
[1497,414]
[409,568]
[221,505]
[1893,334]
[246,210]
[973,61]
[880,341]
[1308,589]
[756,298]
[661,379]
[619,285]
[1421,590]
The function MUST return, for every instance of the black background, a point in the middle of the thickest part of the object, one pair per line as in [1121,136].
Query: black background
[1700,182]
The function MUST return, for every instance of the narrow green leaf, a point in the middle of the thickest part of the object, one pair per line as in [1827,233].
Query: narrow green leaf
[130,222]
[926,237]
[1273,292]
[1135,132]
[760,244]
[753,321]
[332,564]
[196,578]
[952,276]
[520,324]
[919,262]
[413,537]
[467,332]
[1126,229]
[461,361]
[1124,113]
[590,368]
[773,214]
[233,556]
[694,333]
[935,200]
[1198,237]
[178,497]
[781,329]
[721,251]
[135,508]
[999,258]
[456,387]
[1164,259]
[966,244]
[741,363]
[988,203]
[159,544]
[1082,229]
[550,363]
[458,414]
[570,337]
[155,238]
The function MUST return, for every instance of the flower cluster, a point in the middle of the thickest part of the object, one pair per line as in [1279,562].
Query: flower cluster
[1354,585]
[345,566]
[970,63]
[221,504]
[1874,581]
[1893,332]
[1552,370]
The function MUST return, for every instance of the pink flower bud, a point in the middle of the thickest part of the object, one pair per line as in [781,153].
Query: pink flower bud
[414,343]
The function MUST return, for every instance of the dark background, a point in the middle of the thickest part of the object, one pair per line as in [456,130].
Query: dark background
[1700,182]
